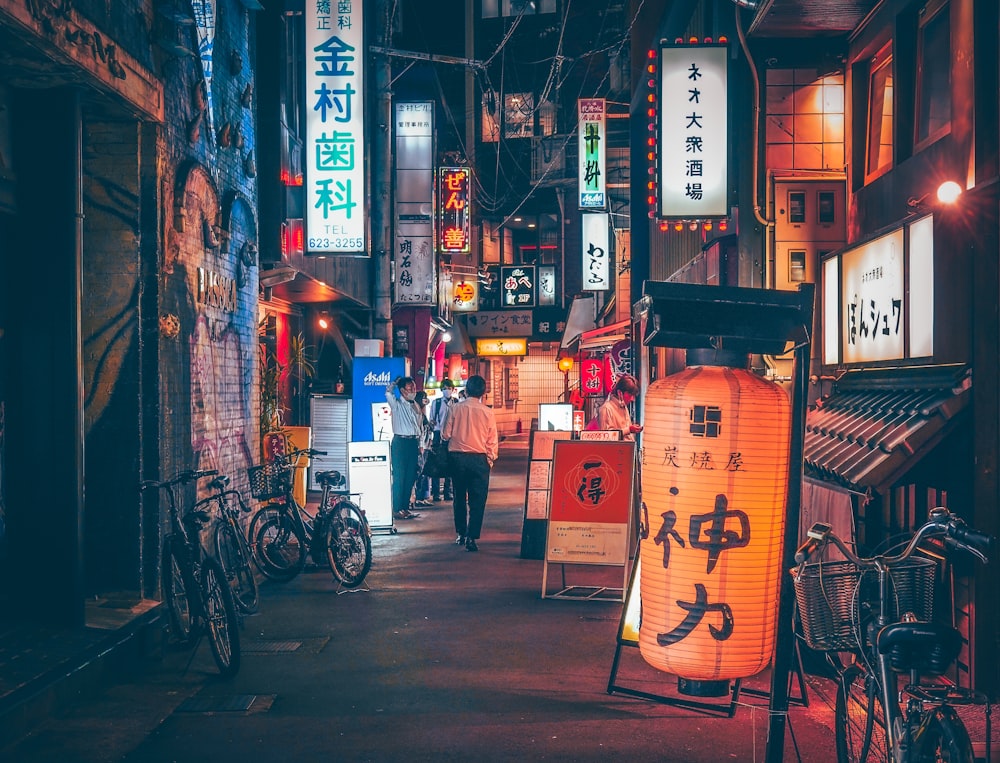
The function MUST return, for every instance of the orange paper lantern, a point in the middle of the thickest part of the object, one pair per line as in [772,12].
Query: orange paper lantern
[714,484]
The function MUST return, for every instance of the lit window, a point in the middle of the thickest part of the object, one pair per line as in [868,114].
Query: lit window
[933,73]
[880,112]
[797,265]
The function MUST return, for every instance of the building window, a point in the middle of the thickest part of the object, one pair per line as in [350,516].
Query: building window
[880,113]
[796,265]
[797,206]
[518,114]
[826,207]
[495,8]
[933,73]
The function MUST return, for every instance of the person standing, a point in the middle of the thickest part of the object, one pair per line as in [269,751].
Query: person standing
[440,409]
[473,447]
[422,489]
[405,446]
[614,413]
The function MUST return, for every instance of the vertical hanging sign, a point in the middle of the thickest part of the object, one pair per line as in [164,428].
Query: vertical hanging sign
[336,195]
[596,267]
[694,131]
[546,284]
[592,152]
[413,259]
[453,210]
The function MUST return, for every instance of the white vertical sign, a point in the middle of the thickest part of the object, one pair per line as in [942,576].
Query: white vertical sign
[596,259]
[546,284]
[592,142]
[336,196]
[694,131]
[413,258]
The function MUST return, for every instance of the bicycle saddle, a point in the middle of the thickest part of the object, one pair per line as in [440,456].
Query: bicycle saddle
[333,478]
[925,647]
[220,483]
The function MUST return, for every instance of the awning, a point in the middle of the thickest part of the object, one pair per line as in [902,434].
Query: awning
[605,337]
[459,344]
[579,319]
[878,424]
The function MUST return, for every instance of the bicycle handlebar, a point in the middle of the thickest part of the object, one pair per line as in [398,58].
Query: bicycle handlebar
[302,452]
[190,475]
[941,524]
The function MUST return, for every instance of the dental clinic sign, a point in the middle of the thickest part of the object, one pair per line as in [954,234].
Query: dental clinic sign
[592,143]
[693,131]
[336,196]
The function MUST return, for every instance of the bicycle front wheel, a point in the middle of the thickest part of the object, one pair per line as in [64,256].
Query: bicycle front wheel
[281,548]
[234,554]
[175,588]
[220,618]
[942,738]
[860,718]
[348,545]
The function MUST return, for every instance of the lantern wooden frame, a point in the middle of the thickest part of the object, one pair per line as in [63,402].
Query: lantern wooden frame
[754,321]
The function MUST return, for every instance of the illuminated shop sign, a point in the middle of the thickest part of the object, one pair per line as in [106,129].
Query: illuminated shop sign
[453,210]
[413,198]
[465,295]
[501,347]
[592,141]
[546,284]
[596,259]
[868,293]
[693,131]
[518,285]
[336,195]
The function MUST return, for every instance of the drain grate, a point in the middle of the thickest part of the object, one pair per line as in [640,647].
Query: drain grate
[238,703]
[271,647]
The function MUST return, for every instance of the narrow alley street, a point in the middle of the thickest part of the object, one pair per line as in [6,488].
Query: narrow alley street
[449,656]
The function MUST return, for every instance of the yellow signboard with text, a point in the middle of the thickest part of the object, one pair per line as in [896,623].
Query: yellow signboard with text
[501,347]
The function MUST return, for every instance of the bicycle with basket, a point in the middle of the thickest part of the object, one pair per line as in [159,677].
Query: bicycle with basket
[284,534]
[873,619]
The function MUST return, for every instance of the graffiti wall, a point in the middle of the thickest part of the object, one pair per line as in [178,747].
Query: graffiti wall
[210,306]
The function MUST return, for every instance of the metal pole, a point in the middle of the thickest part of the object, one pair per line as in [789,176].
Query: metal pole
[381,157]
[784,649]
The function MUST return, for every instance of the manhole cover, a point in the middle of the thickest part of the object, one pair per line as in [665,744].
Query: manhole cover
[238,703]
[271,647]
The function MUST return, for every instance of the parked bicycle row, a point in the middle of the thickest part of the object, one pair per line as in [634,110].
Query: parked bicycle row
[209,593]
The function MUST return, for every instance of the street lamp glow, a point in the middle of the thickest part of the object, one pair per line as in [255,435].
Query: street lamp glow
[948,192]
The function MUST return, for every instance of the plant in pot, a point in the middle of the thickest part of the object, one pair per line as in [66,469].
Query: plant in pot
[280,382]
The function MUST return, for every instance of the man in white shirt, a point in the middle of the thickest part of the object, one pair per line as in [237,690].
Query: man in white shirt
[473,446]
[405,448]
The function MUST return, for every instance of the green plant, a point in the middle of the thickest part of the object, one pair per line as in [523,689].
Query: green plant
[274,376]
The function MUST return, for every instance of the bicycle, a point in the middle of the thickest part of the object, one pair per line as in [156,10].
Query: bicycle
[197,595]
[284,534]
[876,611]
[231,546]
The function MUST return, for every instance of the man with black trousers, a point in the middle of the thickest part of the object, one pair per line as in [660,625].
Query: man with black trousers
[405,447]
[473,447]
[440,409]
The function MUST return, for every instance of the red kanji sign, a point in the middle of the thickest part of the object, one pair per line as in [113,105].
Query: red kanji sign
[453,210]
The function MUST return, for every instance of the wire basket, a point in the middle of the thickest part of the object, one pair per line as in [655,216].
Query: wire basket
[268,481]
[837,599]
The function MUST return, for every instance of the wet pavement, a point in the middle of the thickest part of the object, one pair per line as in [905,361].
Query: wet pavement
[448,655]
